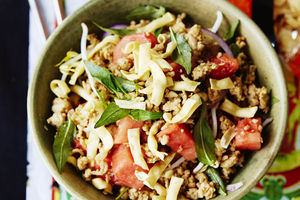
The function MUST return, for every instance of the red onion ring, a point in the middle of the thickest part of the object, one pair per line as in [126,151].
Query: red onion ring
[116,26]
[219,40]
[267,121]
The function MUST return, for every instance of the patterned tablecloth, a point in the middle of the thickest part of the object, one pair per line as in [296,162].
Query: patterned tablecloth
[282,182]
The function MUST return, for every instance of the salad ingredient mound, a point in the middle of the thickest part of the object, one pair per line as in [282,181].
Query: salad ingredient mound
[158,109]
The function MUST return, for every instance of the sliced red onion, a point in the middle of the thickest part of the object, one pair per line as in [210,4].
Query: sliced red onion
[198,167]
[214,119]
[267,121]
[219,40]
[117,26]
[233,187]
[177,163]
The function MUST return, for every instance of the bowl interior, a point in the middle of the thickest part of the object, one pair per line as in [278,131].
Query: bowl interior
[110,12]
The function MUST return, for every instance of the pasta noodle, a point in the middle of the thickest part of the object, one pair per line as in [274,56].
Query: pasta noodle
[60,88]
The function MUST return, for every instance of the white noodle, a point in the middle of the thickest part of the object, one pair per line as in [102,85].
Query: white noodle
[198,167]
[218,22]
[177,163]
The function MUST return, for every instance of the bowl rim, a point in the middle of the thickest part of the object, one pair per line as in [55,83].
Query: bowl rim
[222,3]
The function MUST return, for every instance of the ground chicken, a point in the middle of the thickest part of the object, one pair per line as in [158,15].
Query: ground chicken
[138,194]
[60,108]
[250,74]
[61,105]
[104,56]
[225,123]
[56,119]
[219,149]
[204,188]
[240,41]
[93,41]
[230,161]
[258,97]
[150,158]
[194,38]
[237,91]
[179,26]
[241,58]
[202,70]
[172,105]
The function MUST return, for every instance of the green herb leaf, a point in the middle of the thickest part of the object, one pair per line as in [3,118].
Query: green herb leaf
[143,115]
[121,32]
[232,30]
[204,139]
[146,12]
[62,145]
[274,100]
[115,84]
[112,114]
[122,193]
[183,53]
[216,178]
[235,49]
[158,31]
[128,85]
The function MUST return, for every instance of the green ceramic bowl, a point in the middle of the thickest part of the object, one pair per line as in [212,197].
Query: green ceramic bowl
[109,12]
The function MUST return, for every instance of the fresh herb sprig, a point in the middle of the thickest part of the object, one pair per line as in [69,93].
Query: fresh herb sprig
[204,139]
[62,146]
[232,31]
[113,83]
[146,12]
[183,53]
[114,113]
[116,31]
[214,175]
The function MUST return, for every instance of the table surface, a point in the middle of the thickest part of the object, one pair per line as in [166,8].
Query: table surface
[13,91]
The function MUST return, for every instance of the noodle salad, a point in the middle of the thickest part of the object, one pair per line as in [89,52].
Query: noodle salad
[158,109]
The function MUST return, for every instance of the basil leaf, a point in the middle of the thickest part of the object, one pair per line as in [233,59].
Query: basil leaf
[143,115]
[128,85]
[112,114]
[146,12]
[183,53]
[62,145]
[121,32]
[115,84]
[102,74]
[204,139]
[216,178]
[158,31]
[235,49]
[232,30]
[274,100]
